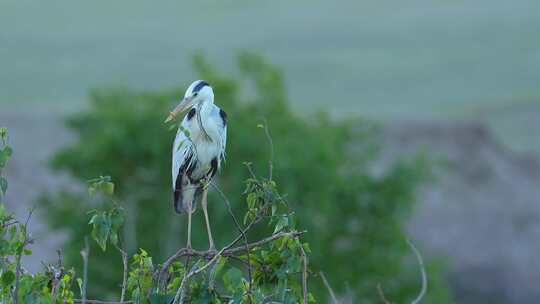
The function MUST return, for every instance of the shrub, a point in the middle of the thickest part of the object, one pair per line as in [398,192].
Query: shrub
[272,269]
[354,220]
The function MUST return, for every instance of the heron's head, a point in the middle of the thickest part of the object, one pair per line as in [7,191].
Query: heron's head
[198,92]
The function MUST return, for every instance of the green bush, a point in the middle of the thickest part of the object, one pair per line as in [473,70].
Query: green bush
[354,220]
[271,269]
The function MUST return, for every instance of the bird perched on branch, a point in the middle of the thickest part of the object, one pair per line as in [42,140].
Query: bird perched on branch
[198,150]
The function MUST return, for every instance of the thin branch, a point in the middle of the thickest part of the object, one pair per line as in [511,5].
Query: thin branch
[17,278]
[250,170]
[271,143]
[187,252]
[58,272]
[381,295]
[422,271]
[223,252]
[124,279]
[330,290]
[80,301]
[182,251]
[304,274]
[85,253]
[180,293]
[18,257]
[192,273]
[244,236]
[269,239]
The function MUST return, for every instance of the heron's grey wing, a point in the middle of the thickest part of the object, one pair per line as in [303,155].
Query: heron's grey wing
[223,135]
[183,161]
[182,153]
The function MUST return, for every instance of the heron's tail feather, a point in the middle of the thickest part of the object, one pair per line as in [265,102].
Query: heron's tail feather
[183,197]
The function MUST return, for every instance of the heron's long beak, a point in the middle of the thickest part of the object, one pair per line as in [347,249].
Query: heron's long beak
[185,104]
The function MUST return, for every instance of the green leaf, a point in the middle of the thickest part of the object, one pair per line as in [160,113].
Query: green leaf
[311,298]
[5,155]
[281,223]
[3,185]
[101,229]
[79,283]
[3,132]
[8,277]
[108,188]
[116,216]
[251,199]
[306,247]
[93,219]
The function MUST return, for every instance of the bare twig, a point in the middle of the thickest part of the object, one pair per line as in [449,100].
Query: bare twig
[188,252]
[180,293]
[57,272]
[381,295]
[250,170]
[304,274]
[80,301]
[244,236]
[17,279]
[18,257]
[192,273]
[329,288]
[215,256]
[85,253]
[226,251]
[124,279]
[271,143]
[422,272]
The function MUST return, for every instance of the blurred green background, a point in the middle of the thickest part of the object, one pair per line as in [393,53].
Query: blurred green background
[343,72]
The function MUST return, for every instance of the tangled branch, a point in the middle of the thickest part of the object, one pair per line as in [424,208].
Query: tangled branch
[225,252]
[79,301]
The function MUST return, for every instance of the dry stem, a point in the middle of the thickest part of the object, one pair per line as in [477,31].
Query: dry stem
[304,274]
[330,290]
[85,253]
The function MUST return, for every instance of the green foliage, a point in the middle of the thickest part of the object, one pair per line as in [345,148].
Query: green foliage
[354,220]
[140,277]
[271,266]
[18,286]
[105,224]
[269,269]
[5,154]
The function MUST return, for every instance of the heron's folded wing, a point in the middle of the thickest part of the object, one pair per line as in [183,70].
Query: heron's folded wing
[181,153]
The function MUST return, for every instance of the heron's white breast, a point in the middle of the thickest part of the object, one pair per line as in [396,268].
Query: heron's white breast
[206,149]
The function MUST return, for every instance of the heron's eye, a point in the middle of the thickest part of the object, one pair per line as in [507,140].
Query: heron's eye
[195,94]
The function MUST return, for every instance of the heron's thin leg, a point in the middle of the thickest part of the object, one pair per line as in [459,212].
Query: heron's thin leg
[189,225]
[204,205]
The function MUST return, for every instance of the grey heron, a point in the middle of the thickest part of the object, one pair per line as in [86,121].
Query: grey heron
[198,151]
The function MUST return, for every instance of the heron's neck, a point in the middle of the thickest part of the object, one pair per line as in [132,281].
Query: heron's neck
[205,108]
